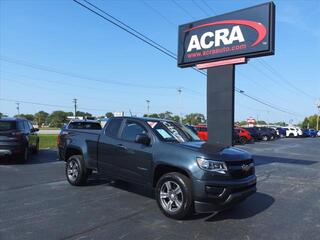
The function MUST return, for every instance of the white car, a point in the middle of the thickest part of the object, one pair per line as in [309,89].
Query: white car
[318,134]
[299,131]
[291,132]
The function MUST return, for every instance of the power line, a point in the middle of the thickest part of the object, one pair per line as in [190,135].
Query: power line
[183,9]
[73,75]
[93,11]
[201,9]
[159,13]
[208,6]
[47,105]
[277,73]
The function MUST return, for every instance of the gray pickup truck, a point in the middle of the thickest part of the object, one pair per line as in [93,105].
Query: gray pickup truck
[188,174]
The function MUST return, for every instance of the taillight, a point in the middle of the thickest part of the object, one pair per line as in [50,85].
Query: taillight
[17,135]
[58,140]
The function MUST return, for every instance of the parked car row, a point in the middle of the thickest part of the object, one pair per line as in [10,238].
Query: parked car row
[250,134]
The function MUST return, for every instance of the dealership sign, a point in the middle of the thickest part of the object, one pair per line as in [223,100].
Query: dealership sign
[244,33]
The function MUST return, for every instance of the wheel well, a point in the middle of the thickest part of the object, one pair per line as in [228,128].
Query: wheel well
[72,151]
[163,169]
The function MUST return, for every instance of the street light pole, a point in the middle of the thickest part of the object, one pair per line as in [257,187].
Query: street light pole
[75,107]
[179,96]
[148,107]
[318,106]
[18,108]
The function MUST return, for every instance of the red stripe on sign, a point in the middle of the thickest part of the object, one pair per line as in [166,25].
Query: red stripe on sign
[259,27]
[221,63]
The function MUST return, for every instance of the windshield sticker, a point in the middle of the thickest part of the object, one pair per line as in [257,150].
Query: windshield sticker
[174,131]
[152,124]
[163,133]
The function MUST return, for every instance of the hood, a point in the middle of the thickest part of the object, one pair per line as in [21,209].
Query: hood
[216,151]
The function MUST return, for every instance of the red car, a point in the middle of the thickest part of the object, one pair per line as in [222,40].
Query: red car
[244,135]
[202,131]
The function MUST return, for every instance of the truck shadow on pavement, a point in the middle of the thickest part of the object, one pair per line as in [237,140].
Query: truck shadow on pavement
[262,160]
[255,204]
[43,156]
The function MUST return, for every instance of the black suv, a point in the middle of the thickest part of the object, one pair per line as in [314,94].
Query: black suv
[17,138]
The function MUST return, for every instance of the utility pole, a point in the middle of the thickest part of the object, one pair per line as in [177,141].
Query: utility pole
[148,107]
[179,96]
[318,106]
[18,108]
[75,107]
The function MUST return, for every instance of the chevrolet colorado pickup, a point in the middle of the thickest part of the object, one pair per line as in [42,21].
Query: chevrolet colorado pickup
[188,175]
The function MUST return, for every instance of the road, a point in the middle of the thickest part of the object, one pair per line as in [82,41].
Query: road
[36,202]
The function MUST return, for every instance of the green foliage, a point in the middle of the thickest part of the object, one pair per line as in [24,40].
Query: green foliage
[48,140]
[83,114]
[243,123]
[2,115]
[26,116]
[166,115]
[41,117]
[58,118]
[282,124]
[109,114]
[312,120]
[194,119]
[261,122]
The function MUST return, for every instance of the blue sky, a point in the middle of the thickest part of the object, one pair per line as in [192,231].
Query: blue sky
[119,72]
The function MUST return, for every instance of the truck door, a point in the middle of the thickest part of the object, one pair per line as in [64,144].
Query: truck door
[109,149]
[136,159]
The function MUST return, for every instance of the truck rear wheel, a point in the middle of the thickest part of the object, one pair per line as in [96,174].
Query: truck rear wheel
[174,195]
[76,171]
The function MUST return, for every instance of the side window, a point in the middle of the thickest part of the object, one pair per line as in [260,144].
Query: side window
[30,125]
[131,130]
[113,127]
[20,125]
[26,126]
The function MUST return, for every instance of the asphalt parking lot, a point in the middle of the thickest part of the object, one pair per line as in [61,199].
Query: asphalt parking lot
[36,202]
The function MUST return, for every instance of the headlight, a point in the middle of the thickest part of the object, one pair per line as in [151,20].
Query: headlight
[211,165]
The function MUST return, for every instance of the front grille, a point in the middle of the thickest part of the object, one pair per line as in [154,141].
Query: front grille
[240,169]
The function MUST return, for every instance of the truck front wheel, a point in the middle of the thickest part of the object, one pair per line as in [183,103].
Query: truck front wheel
[174,195]
[76,171]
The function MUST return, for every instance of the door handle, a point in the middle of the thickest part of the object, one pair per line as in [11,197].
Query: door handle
[122,147]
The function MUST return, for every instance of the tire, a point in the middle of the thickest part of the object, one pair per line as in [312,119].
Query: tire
[243,140]
[178,204]
[265,138]
[76,171]
[291,135]
[36,149]
[23,157]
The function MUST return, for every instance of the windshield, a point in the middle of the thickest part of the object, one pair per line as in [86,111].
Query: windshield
[7,125]
[172,132]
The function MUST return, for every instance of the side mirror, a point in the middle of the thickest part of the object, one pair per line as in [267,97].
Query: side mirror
[34,130]
[143,139]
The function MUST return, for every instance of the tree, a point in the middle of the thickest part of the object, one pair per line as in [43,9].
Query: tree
[261,122]
[243,123]
[41,117]
[2,115]
[311,120]
[83,114]
[109,114]
[194,118]
[282,124]
[153,115]
[58,118]
[29,117]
